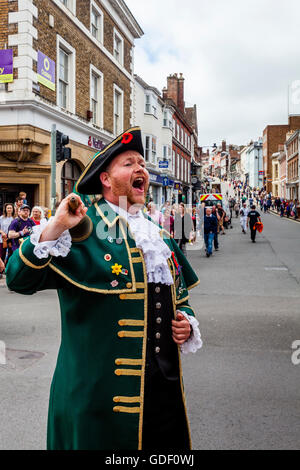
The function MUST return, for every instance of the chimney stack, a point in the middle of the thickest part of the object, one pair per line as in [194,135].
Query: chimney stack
[223,145]
[175,90]
[180,102]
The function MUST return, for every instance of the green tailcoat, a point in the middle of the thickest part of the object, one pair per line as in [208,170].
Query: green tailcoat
[97,392]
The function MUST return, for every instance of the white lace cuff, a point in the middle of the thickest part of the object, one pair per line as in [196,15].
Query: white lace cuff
[194,342]
[60,247]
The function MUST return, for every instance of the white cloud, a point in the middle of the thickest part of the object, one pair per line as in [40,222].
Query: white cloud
[237,57]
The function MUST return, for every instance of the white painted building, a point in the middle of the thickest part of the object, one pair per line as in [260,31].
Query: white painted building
[155,119]
[255,164]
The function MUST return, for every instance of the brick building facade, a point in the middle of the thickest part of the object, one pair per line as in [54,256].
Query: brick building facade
[85,49]
[184,138]
[273,136]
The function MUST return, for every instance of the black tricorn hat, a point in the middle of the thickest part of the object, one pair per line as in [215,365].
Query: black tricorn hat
[89,182]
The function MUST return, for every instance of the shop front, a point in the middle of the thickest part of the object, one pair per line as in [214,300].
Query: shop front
[160,189]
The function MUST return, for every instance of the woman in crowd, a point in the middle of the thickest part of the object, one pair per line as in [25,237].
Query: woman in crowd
[168,222]
[37,214]
[183,227]
[5,221]
[155,215]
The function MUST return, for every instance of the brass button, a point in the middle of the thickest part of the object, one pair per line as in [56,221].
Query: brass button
[157,336]
[157,290]
[158,305]
[158,320]
[157,350]
[129,285]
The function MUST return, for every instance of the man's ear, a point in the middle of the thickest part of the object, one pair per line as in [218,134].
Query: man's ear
[105,180]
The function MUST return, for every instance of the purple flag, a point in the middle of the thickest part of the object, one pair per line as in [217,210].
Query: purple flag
[6,66]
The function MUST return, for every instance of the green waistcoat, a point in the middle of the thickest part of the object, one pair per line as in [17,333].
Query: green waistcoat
[97,392]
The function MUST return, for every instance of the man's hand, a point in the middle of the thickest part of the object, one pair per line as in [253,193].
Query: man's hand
[181,329]
[64,219]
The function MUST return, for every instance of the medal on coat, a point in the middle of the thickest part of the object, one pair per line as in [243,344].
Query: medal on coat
[178,267]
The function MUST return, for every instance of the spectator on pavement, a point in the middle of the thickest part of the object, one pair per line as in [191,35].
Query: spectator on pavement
[183,227]
[168,221]
[19,203]
[23,195]
[5,221]
[155,215]
[20,227]
[37,214]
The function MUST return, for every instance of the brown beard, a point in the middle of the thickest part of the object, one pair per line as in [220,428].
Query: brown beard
[120,189]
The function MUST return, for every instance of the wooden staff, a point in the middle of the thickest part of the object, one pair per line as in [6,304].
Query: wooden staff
[85,227]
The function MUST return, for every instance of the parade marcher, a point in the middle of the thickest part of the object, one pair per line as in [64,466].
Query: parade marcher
[5,221]
[210,229]
[123,289]
[237,209]
[216,237]
[222,215]
[252,218]
[243,217]
[20,227]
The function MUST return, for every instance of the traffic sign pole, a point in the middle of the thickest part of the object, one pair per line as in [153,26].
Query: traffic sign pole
[53,169]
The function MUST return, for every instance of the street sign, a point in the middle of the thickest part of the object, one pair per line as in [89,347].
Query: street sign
[163,164]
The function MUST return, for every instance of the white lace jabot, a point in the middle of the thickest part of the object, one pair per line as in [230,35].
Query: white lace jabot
[147,238]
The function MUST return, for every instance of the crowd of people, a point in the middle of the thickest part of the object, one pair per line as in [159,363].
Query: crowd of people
[16,223]
[242,204]
[180,221]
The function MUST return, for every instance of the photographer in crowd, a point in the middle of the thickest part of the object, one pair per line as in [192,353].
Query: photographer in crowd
[20,227]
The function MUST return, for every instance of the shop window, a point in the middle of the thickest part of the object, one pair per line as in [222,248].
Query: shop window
[71,172]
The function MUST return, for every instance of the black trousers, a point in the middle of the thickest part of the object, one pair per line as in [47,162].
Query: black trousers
[164,420]
[253,233]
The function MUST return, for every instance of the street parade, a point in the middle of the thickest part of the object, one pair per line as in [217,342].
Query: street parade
[149,265]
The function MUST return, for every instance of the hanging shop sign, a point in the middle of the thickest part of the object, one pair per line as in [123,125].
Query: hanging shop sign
[46,71]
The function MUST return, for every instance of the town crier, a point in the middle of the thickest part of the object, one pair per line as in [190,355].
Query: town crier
[123,287]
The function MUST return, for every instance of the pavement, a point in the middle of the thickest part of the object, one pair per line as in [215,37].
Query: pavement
[242,389]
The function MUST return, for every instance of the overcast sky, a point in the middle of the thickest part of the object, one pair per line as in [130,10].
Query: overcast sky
[238,58]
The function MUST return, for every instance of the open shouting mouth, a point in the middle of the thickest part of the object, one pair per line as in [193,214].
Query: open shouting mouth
[139,184]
